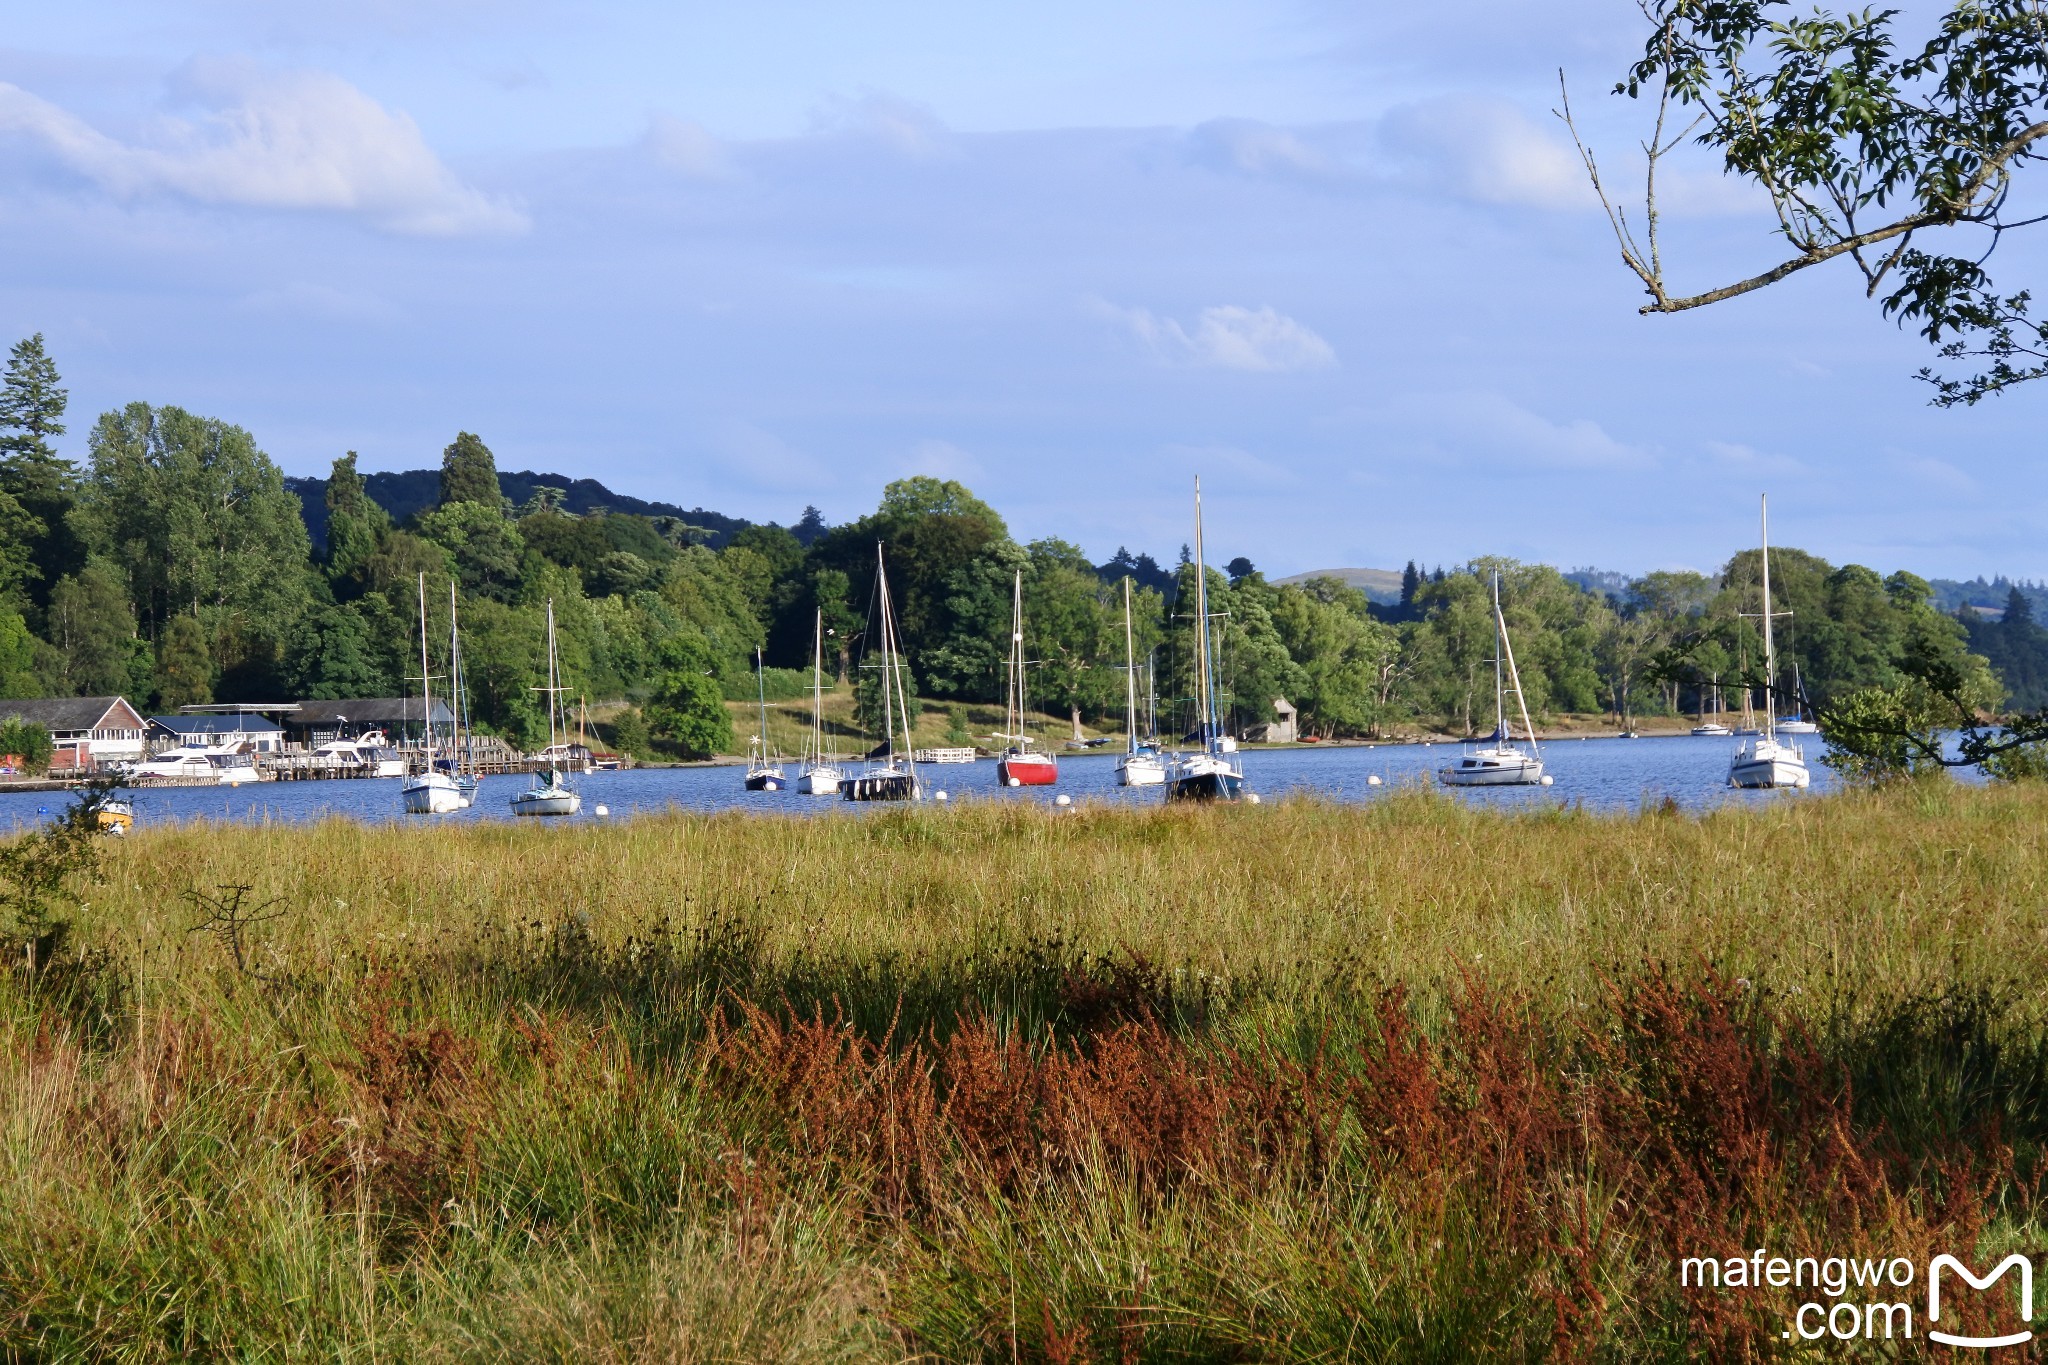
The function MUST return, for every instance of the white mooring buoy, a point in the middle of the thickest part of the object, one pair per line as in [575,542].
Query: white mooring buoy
[1372,780]
[600,810]
[1251,798]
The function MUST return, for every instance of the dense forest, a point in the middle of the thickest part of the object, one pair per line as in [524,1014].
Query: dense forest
[174,563]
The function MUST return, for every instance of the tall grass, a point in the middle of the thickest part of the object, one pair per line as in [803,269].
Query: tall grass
[1297,1082]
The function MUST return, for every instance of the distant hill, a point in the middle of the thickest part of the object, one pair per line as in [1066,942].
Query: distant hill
[1951,595]
[406,493]
[1381,585]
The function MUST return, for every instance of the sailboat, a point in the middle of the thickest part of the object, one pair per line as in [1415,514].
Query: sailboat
[1020,765]
[890,775]
[1502,763]
[429,791]
[818,775]
[550,793]
[461,744]
[1797,723]
[1766,760]
[1141,765]
[1712,728]
[1210,773]
[762,775]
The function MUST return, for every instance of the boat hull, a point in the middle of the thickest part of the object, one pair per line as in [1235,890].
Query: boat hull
[116,817]
[766,780]
[820,781]
[1764,763]
[553,799]
[1493,768]
[1707,731]
[884,786]
[431,794]
[1797,727]
[1140,770]
[1027,770]
[1210,785]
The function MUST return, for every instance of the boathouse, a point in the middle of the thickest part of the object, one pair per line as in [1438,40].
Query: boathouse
[1285,730]
[402,719]
[86,731]
[245,732]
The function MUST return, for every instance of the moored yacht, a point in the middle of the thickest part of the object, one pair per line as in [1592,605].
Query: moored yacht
[1765,760]
[890,774]
[1499,761]
[195,765]
[762,775]
[818,775]
[550,793]
[1141,764]
[429,791]
[1212,772]
[1021,765]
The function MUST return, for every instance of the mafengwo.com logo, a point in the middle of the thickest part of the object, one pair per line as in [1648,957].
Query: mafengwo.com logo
[1861,1299]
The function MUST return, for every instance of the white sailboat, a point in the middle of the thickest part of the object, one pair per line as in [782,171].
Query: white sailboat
[1210,773]
[1765,760]
[550,793]
[429,791]
[1501,762]
[1712,728]
[818,775]
[890,775]
[1797,723]
[762,775]
[1141,765]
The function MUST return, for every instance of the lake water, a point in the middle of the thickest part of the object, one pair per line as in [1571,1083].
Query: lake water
[1601,774]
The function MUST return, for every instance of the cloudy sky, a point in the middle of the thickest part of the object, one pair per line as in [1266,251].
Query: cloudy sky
[1338,262]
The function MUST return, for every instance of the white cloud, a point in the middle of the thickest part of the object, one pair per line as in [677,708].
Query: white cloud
[268,139]
[1745,459]
[1231,337]
[1256,149]
[1934,474]
[686,148]
[909,129]
[1510,436]
[1489,150]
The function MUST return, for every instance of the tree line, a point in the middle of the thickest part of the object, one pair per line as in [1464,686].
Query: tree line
[172,564]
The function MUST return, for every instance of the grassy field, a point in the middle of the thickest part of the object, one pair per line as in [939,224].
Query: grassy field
[789,725]
[1292,1083]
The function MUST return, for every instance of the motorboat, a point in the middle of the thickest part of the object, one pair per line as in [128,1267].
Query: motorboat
[1021,765]
[1499,761]
[115,816]
[371,750]
[1142,765]
[1713,729]
[195,765]
[1764,760]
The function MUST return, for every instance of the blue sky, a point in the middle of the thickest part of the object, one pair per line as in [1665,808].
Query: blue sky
[1338,262]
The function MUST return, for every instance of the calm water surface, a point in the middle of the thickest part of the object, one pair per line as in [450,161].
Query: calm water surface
[1601,774]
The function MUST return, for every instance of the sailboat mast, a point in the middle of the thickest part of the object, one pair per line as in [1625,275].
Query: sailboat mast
[818,691]
[761,692]
[1207,695]
[1015,720]
[554,691]
[1770,649]
[426,682]
[458,693]
[1130,677]
[1500,635]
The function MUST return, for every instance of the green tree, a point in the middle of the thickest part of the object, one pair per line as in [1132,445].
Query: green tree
[198,520]
[486,549]
[1871,144]
[356,528]
[630,734]
[469,473]
[687,707]
[18,676]
[21,536]
[93,628]
[29,743]
[184,666]
[867,699]
[1071,633]
[1345,655]
[335,653]
[32,403]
